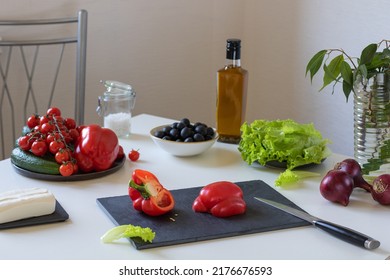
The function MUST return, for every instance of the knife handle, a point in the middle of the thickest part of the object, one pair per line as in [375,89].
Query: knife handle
[348,234]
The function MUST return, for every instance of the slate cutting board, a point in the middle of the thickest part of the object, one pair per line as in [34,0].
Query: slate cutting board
[183,225]
[59,215]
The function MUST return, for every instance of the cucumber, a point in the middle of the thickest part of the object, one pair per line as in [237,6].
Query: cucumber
[29,161]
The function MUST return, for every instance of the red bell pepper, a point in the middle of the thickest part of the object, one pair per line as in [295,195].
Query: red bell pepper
[221,199]
[96,148]
[148,195]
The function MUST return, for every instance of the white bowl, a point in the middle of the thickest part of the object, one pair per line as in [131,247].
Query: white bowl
[182,149]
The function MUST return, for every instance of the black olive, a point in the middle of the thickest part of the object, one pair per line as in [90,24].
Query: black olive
[186,132]
[166,129]
[159,134]
[210,131]
[201,129]
[185,121]
[174,133]
[180,125]
[198,137]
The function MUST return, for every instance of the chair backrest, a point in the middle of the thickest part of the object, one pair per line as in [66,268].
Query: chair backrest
[22,53]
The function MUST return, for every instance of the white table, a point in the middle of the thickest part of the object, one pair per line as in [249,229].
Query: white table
[79,237]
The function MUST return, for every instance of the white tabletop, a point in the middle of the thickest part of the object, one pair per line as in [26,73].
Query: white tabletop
[79,237]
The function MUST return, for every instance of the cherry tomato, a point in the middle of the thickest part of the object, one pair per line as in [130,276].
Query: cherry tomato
[63,155]
[75,167]
[74,134]
[24,143]
[70,123]
[47,127]
[66,169]
[32,121]
[44,119]
[121,153]
[53,111]
[39,148]
[134,155]
[55,146]
[52,136]
[59,120]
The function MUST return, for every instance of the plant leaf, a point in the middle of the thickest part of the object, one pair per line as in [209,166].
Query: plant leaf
[362,69]
[332,70]
[346,73]
[386,53]
[347,88]
[315,63]
[377,62]
[368,54]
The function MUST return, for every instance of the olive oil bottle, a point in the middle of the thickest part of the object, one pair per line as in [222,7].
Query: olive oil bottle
[232,83]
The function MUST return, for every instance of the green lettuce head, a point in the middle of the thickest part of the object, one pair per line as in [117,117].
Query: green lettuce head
[284,141]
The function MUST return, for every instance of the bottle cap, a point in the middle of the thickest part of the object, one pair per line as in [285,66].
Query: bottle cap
[233,48]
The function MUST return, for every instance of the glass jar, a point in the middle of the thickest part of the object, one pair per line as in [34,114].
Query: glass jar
[116,106]
[372,123]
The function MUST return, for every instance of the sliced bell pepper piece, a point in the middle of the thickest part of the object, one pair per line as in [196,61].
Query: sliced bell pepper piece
[148,195]
[221,199]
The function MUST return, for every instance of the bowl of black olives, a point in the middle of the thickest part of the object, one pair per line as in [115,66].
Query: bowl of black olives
[183,138]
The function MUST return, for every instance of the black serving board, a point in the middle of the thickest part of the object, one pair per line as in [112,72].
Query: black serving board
[183,225]
[59,215]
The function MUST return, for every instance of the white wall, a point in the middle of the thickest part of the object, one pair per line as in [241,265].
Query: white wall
[169,51]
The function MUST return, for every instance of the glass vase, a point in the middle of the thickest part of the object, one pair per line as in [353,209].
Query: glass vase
[372,124]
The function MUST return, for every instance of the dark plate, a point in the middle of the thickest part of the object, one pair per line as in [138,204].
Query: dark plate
[283,164]
[59,215]
[78,177]
[183,225]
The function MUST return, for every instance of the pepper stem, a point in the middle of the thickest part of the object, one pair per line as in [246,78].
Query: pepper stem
[141,188]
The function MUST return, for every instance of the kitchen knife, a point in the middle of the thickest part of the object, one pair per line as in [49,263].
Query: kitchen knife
[338,231]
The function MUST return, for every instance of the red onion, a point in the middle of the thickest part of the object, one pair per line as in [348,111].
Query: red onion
[352,167]
[381,189]
[337,186]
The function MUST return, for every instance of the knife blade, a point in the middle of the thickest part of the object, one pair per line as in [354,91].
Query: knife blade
[341,232]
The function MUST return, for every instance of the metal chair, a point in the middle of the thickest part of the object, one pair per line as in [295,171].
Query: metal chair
[21,56]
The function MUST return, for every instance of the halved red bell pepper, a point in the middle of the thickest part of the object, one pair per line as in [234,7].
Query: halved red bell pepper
[96,149]
[221,199]
[148,195]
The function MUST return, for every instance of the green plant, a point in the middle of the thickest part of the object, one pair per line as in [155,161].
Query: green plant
[344,68]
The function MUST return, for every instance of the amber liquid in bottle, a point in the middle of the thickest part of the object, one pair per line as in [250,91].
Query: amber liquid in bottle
[231,95]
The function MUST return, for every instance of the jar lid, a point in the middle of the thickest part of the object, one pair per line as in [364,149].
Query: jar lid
[115,85]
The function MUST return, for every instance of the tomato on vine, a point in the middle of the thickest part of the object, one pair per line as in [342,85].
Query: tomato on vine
[53,111]
[33,121]
[53,134]
[63,155]
[75,167]
[39,147]
[66,169]
[24,143]
[70,123]
[55,146]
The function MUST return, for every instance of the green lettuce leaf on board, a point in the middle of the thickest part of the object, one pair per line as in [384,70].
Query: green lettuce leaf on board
[128,231]
[285,141]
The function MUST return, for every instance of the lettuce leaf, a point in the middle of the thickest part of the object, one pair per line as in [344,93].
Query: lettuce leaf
[128,231]
[289,177]
[284,141]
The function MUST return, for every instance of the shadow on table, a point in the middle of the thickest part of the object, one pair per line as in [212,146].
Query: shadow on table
[214,157]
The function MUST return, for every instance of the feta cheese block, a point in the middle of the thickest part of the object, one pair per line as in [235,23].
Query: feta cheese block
[25,203]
